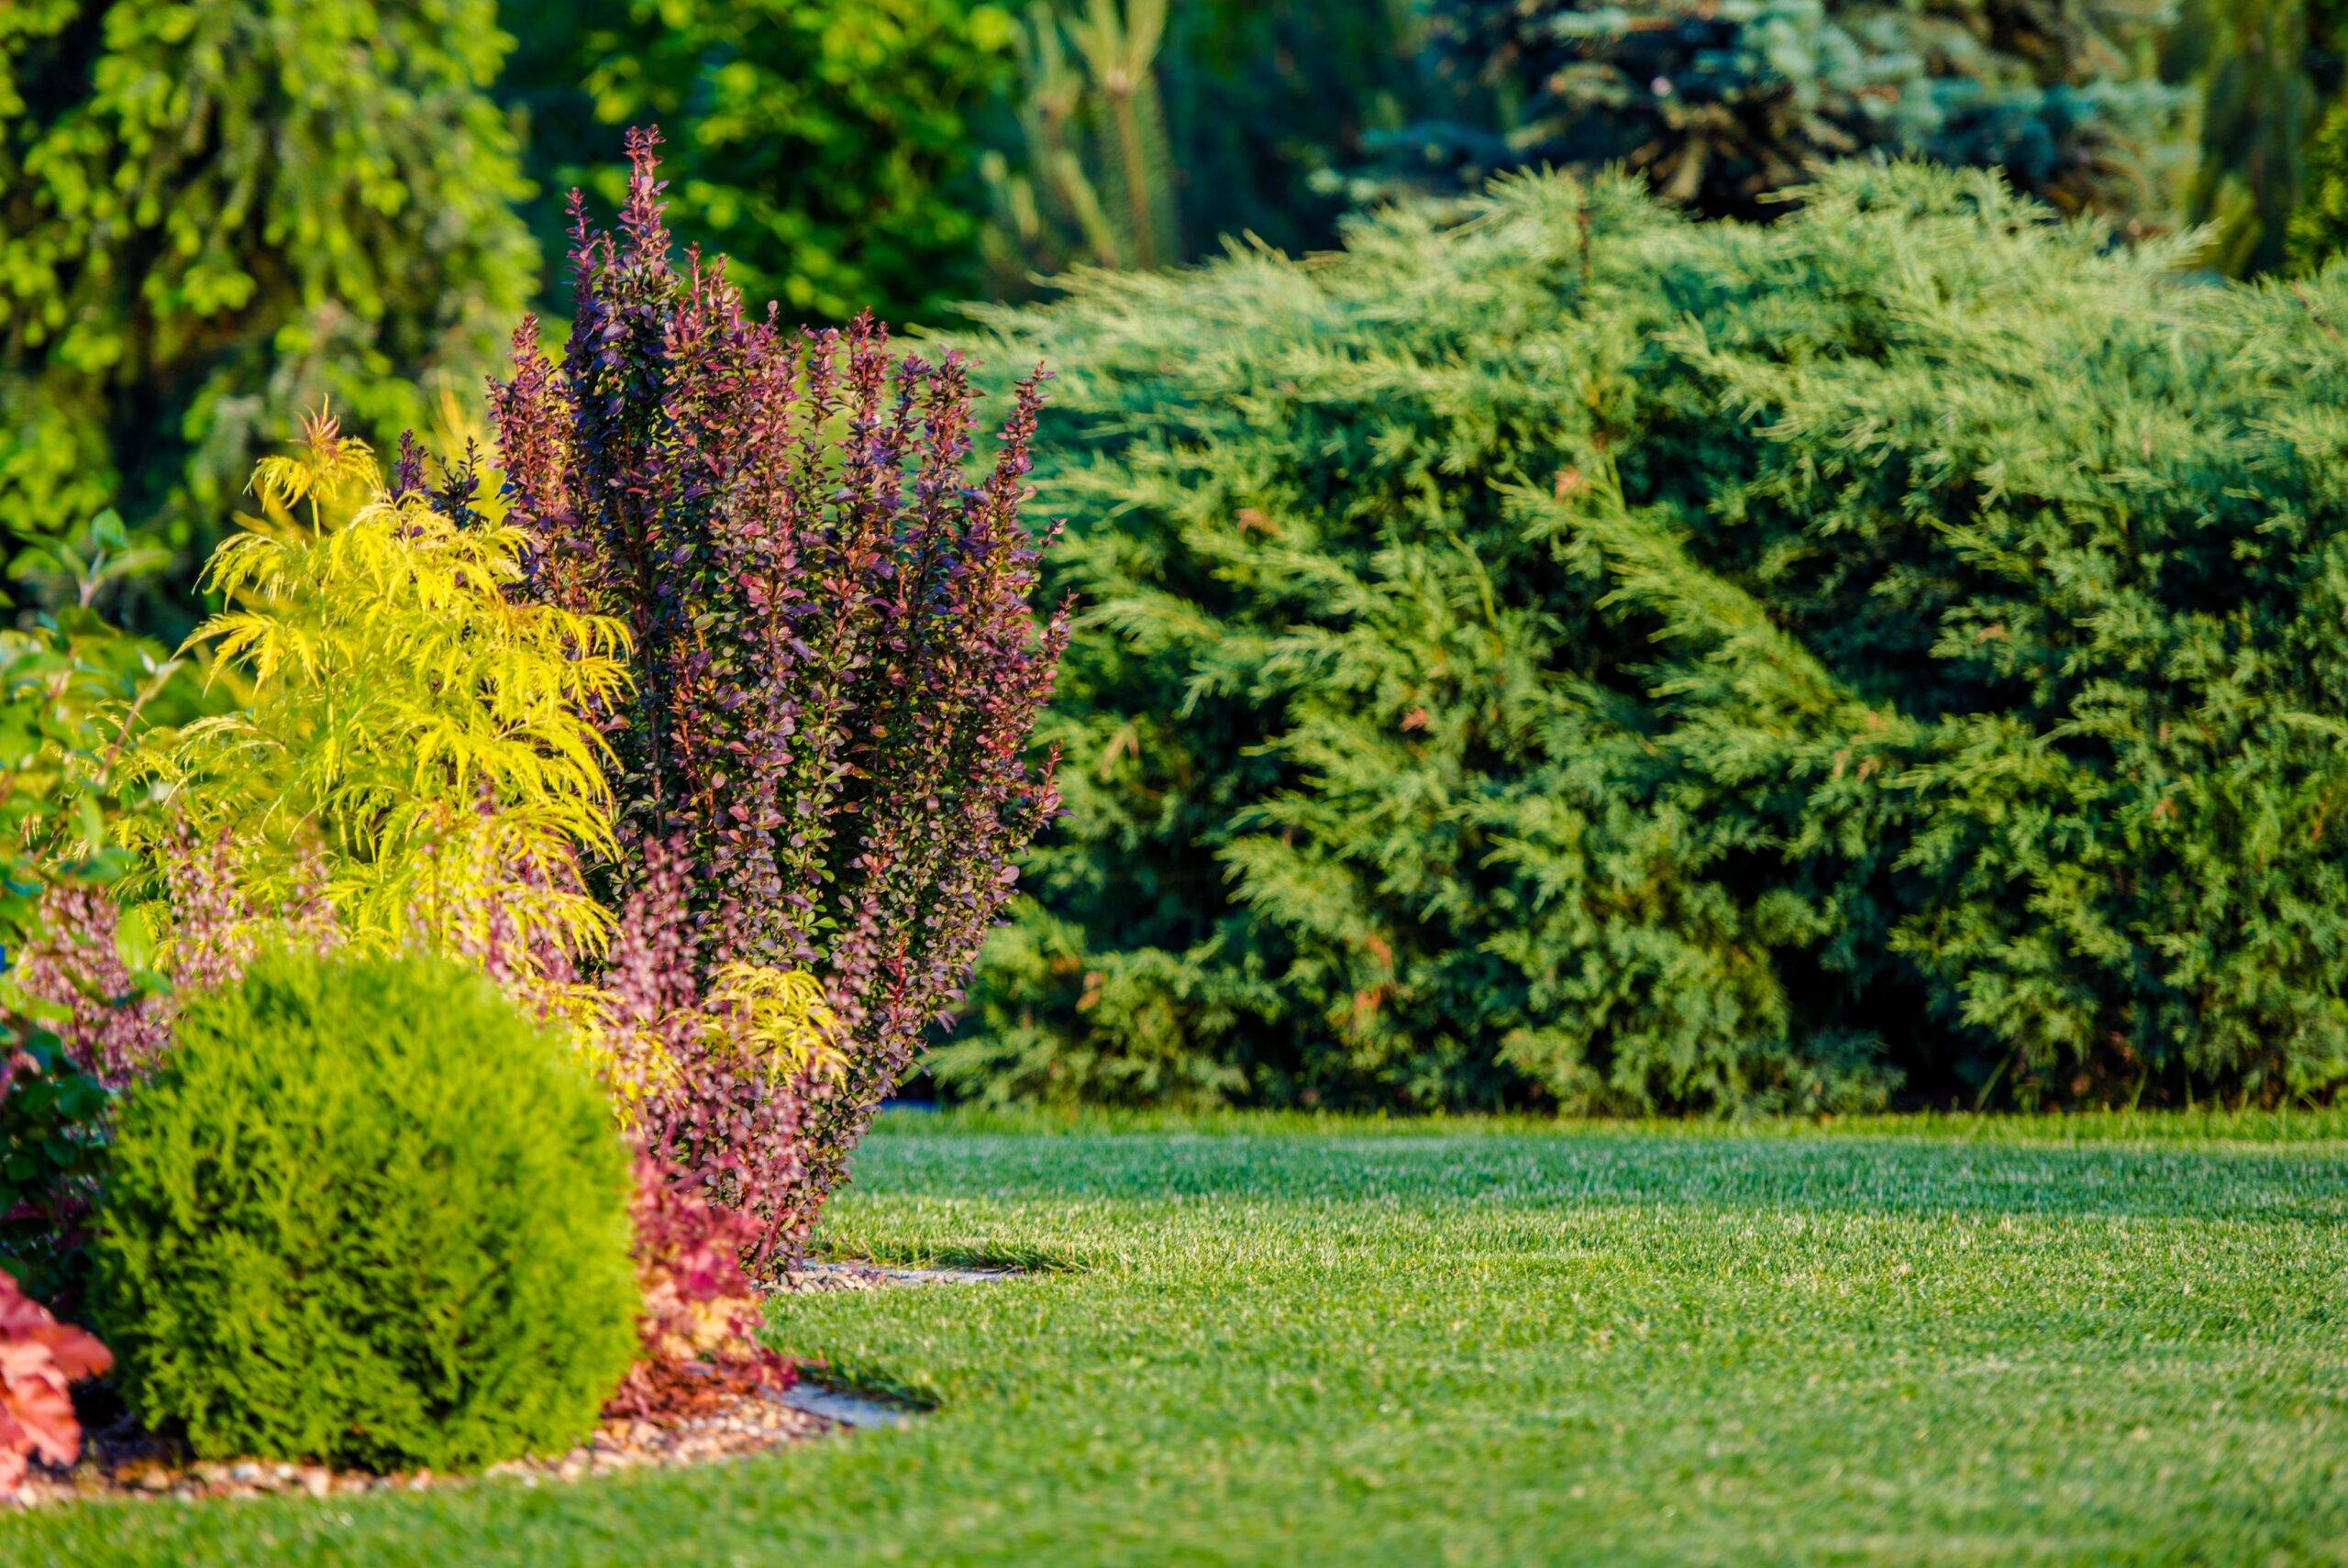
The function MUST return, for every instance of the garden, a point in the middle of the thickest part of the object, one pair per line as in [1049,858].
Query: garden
[1524,782]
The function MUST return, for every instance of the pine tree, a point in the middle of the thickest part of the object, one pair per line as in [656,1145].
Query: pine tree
[1724,106]
[217,213]
[2265,76]
[1095,181]
[1583,657]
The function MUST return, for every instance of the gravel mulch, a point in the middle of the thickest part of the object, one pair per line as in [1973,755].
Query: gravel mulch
[127,1464]
[118,1460]
[872,1276]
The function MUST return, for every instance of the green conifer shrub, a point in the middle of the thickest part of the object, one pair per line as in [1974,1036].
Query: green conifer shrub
[1583,657]
[215,215]
[366,1213]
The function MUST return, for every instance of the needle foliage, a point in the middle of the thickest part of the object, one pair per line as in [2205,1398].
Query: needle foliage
[1724,107]
[1582,655]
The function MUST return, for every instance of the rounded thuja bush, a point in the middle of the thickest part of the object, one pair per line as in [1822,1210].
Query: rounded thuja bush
[366,1213]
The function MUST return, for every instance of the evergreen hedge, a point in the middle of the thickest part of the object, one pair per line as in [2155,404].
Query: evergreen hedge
[1583,655]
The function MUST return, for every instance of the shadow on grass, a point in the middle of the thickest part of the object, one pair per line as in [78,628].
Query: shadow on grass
[992,1257]
[1888,1177]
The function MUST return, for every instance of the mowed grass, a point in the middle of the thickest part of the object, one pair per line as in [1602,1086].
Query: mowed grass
[1959,1344]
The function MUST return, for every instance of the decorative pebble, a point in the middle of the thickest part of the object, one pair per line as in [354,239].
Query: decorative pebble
[133,1466]
[127,1462]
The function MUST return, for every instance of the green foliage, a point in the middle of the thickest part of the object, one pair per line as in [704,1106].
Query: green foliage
[1267,106]
[2261,73]
[219,212]
[53,1117]
[907,155]
[71,688]
[2319,225]
[1725,106]
[1582,655]
[366,1213]
[826,147]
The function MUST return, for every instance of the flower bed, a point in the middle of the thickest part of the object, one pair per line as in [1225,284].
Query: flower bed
[633,795]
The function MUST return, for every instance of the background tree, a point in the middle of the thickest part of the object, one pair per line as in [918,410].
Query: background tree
[2265,77]
[826,147]
[215,214]
[1722,106]
[907,155]
[1146,133]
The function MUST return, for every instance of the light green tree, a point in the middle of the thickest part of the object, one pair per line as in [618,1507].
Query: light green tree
[215,214]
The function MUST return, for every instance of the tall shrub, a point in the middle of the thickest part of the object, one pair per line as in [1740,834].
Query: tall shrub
[215,214]
[836,668]
[1583,657]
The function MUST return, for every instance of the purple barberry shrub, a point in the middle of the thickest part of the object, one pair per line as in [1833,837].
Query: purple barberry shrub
[837,664]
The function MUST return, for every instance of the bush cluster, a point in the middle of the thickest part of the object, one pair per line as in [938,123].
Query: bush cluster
[335,1000]
[366,1213]
[1586,656]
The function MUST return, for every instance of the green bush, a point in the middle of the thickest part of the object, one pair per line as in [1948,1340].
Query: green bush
[366,1213]
[1586,656]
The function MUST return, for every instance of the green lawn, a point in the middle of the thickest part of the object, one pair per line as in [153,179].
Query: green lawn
[1250,1342]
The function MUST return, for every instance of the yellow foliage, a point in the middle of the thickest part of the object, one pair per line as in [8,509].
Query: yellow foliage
[429,735]
[780,1016]
[423,743]
[328,471]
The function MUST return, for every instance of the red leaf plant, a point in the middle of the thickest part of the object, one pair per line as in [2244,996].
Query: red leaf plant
[41,1359]
[702,1314]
